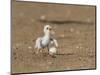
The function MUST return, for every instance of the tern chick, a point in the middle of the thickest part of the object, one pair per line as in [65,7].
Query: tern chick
[47,40]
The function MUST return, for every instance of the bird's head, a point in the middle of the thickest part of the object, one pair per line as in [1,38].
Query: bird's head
[48,30]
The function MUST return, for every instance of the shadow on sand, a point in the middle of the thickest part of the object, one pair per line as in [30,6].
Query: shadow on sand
[66,22]
[65,54]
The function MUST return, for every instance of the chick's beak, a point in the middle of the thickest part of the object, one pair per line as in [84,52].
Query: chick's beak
[52,32]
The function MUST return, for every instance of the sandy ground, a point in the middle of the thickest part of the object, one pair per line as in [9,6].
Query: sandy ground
[75,32]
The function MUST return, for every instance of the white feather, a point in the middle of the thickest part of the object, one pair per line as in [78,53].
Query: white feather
[45,41]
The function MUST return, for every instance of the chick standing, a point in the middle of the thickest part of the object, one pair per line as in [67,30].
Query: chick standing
[47,40]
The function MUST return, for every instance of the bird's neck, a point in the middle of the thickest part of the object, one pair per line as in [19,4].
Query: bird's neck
[47,35]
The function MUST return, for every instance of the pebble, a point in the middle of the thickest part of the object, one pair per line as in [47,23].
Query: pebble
[71,29]
[16,48]
[77,47]
[50,62]
[88,20]
[15,58]
[14,53]
[18,44]
[42,17]
[62,35]
[29,47]
[80,58]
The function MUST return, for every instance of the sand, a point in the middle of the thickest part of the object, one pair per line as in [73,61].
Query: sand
[75,31]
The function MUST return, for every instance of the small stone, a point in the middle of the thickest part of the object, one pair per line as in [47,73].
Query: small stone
[29,47]
[16,48]
[88,20]
[15,58]
[14,53]
[50,63]
[80,58]
[62,35]
[43,17]
[77,47]
[18,44]
[71,29]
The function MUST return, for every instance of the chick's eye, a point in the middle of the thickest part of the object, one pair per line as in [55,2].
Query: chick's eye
[47,28]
